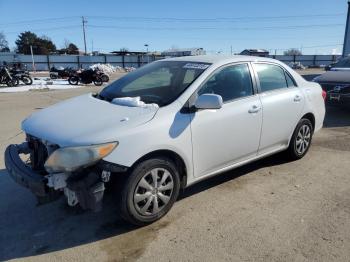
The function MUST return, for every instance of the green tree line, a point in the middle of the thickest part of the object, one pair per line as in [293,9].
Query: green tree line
[42,45]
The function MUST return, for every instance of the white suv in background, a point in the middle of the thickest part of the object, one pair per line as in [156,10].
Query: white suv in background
[164,127]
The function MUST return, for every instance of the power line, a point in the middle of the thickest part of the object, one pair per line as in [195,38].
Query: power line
[307,47]
[44,20]
[216,28]
[171,19]
[217,19]
[44,29]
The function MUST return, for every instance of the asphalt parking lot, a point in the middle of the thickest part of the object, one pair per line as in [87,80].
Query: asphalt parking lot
[271,210]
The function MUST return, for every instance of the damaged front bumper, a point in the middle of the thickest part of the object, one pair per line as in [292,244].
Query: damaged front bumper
[22,173]
[85,187]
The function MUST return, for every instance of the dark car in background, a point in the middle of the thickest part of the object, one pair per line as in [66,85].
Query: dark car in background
[340,65]
[337,86]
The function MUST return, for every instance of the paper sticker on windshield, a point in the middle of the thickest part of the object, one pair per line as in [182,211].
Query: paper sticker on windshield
[196,66]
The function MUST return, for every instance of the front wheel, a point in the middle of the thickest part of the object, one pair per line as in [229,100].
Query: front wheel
[150,191]
[105,78]
[53,76]
[301,140]
[98,81]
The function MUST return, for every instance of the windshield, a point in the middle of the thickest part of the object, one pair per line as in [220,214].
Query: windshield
[159,82]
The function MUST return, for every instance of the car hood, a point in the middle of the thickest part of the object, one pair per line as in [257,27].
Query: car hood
[85,120]
[334,76]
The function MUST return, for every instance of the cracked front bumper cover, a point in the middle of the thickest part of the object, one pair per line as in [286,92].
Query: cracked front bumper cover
[21,173]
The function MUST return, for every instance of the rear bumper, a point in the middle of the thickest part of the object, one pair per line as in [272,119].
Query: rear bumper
[21,173]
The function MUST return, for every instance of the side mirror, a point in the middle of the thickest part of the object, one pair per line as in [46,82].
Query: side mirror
[208,101]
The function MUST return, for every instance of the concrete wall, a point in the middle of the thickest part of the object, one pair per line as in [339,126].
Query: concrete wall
[308,60]
[44,62]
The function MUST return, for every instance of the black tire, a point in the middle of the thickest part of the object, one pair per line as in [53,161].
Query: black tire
[73,80]
[293,151]
[27,80]
[98,81]
[53,76]
[12,82]
[105,78]
[129,210]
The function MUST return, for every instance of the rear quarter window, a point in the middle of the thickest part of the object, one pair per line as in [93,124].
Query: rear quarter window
[290,80]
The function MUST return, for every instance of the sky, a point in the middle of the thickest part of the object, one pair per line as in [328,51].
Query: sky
[220,26]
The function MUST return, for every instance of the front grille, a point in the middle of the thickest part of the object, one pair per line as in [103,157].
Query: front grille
[330,86]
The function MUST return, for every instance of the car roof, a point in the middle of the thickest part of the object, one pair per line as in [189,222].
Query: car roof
[221,59]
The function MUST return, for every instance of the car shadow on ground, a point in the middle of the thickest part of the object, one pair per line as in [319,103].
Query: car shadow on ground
[29,230]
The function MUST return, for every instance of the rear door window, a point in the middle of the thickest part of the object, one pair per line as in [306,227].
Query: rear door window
[271,77]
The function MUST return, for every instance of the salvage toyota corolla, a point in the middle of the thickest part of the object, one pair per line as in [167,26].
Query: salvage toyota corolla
[164,127]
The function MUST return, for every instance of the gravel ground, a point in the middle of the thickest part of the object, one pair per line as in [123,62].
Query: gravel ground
[270,210]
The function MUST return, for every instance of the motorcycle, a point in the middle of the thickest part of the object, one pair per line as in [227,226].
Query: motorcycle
[86,77]
[7,78]
[61,72]
[22,75]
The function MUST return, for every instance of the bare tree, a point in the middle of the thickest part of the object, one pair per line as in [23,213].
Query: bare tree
[66,43]
[4,45]
[292,51]
[124,50]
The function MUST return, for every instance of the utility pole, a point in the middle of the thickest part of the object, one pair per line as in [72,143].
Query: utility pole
[31,52]
[146,45]
[346,44]
[231,49]
[84,22]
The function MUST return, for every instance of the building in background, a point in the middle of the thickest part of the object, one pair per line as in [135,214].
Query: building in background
[255,52]
[174,52]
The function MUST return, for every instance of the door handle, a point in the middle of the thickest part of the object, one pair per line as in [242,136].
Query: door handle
[254,109]
[297,98]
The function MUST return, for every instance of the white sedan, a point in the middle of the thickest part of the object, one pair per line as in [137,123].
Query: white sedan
[165,127]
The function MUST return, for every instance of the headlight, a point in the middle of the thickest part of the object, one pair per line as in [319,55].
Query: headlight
[68,159]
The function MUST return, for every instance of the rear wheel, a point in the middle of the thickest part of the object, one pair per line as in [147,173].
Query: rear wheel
[27,80]
[301,139]
[73,80]
[12,82]
[150,191]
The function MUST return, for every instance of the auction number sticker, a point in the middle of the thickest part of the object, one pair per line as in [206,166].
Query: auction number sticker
[196,66]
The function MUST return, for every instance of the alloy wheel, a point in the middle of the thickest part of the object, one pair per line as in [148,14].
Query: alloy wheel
[303,139]
[153,191]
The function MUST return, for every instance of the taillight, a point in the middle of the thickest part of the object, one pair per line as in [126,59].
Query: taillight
[324,94]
